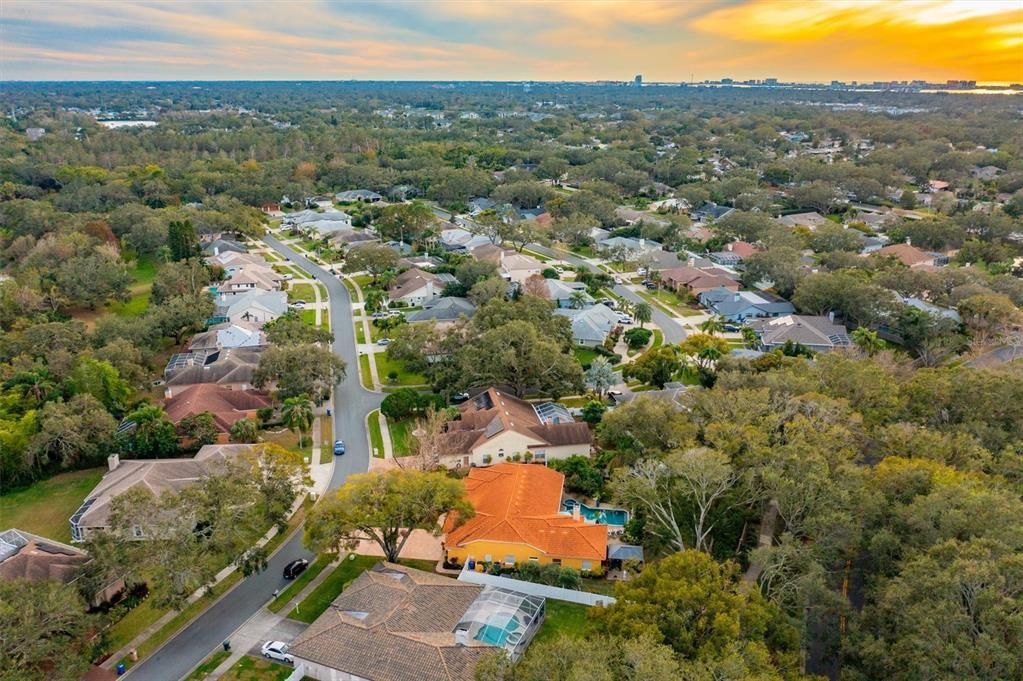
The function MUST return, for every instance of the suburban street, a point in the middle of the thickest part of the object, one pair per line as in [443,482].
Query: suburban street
[673,331]
[351,404]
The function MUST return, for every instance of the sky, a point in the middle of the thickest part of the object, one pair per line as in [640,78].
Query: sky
[820,40]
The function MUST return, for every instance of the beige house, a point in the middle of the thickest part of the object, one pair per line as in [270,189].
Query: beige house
[156,475]
[511,266]
[494,427]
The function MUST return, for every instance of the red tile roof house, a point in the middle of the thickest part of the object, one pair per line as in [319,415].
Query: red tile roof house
[696,281]
[494,426]
[911,256]
[226,405]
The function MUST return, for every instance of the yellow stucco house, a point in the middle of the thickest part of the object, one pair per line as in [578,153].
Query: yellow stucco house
[518,520]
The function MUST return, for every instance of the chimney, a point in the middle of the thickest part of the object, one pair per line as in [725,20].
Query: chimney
[691,262]
[501,257]
[216,250]
[576,513]
[113,461]
[642,241]
[429,289]
[909,241]
[831,316]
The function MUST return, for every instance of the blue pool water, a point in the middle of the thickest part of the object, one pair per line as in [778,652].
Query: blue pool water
[496,631]
[601,516]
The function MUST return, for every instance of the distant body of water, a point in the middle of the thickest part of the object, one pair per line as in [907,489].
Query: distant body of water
[127,124]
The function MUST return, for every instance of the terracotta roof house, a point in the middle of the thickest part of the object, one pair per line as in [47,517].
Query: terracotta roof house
[809,220]
[415,286]
[697,281]
[395,623]
[232,369]
[819,334]
[734,253]
[156,475]
[913,257]
[519,518]
[494,426]
[226,405]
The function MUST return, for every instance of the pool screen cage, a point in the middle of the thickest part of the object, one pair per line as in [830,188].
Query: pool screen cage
[501,617]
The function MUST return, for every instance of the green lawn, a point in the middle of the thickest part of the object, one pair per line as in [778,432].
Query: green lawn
[563,617]
[401,435]
[315,568]
[360,336]
[584,251]
[658,339]
[326,439]
[363,280]
[385,366]
[574,401]
[301,292]
[376,438]
[585,356]
[45,507]
[308,316]
[251,668]
[539,256]
[203,671]
[364,375]
[351,288]
[330,588]
[133,307]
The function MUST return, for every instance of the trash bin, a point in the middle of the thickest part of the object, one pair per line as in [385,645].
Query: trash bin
[120,669]
[328,411]
[227,646]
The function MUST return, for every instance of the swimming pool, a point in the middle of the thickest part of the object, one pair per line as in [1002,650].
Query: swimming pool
[601,516]
[497,630]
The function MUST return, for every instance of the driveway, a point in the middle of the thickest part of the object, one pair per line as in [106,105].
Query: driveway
[351,404]
[673,331]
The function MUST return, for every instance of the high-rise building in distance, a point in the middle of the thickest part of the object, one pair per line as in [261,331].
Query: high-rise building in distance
[638,80]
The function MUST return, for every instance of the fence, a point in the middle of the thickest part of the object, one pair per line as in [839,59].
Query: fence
[532,589]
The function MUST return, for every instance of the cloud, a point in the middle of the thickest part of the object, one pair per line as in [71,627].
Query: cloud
[505,40]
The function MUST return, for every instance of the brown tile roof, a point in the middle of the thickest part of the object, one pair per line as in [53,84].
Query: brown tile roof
[411,281]
[236,365]
[493,412]
[38,559]
[156,475]
[908,254]
[742,248]
[521,503]
[395,623]
[227,406]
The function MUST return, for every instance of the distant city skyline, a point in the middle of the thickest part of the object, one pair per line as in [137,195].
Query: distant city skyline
[844,40]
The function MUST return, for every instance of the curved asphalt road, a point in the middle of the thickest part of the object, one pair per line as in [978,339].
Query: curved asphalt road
[351,404]
[673,331]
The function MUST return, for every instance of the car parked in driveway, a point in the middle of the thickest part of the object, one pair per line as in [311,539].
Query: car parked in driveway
[298,304]
[384,341]
[277,650]
[295,568]
[339,447]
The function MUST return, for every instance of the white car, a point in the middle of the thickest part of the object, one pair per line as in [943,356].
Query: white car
[625,319]
[298,304]
[287,277]
[277,650]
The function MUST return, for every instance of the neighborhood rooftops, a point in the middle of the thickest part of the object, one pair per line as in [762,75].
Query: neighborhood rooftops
[227,406]
[492,413]
[814,332]
[27,556]
[395,623]
[521,503]
[156,475]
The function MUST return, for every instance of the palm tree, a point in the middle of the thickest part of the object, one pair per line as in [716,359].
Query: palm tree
[749,337]
[374,300]
[578,299]
[713,325]
[297,415]
[708,356]
[867,340]
[643,313]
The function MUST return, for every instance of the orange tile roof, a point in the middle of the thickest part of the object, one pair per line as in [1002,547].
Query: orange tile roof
[520,503]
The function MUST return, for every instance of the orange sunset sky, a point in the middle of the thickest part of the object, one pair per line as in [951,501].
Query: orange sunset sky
[566,40]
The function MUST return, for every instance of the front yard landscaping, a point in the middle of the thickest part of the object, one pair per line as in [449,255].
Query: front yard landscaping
[563,617]
[251,668]
[401,435]
[330,588]
[376,438]
[203,671]
[301,292]
[386,366]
